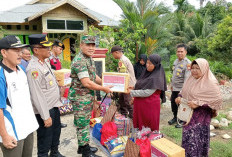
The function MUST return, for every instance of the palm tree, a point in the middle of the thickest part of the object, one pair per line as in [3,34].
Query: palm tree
[147,13]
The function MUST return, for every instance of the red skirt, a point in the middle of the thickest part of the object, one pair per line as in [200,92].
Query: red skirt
[147,111]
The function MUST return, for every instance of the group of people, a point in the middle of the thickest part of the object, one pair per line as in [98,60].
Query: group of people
[30,96]
[192,81]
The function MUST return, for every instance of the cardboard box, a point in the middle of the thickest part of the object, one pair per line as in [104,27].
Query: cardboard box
[120,81]
[63,77]
[165,148]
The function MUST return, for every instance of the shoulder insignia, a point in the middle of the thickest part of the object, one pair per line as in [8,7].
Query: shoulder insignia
[189,66]
[40,62]
[34,74]
[120,64]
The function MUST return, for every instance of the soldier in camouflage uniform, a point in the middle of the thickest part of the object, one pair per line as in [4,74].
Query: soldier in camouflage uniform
[82,94]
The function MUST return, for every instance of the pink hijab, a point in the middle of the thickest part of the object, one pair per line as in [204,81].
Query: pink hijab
[204,90]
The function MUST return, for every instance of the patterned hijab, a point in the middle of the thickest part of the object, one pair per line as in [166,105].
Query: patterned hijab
[155,79]
[204,90]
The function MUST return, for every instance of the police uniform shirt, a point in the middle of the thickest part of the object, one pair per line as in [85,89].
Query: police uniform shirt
[15,101]
[181,71]
[126,63]
[44,89]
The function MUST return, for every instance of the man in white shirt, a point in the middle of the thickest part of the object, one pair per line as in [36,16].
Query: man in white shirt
[17,119]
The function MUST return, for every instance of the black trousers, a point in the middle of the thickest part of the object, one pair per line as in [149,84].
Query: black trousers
[173,103]
[48,138]
[124,103]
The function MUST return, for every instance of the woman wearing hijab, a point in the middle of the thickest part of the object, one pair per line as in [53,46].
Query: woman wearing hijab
[147,94]
[202,92]
[140,66]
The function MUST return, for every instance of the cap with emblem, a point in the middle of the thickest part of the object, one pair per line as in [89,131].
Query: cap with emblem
[116,48]
[88,39]
[11,41]
[40,39]
[58,43]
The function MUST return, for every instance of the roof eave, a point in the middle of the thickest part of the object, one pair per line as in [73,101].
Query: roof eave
[71,2]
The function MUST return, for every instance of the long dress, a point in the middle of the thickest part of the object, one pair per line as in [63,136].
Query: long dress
[197,130]
[147,111]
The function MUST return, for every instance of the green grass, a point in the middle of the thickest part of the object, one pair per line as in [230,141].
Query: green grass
[220,149]
[173,134]
[220,116]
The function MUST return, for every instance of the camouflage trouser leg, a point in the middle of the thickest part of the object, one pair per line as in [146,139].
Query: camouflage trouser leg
[82,114]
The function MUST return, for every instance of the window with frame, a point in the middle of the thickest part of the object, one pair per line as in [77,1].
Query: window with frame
[65,25]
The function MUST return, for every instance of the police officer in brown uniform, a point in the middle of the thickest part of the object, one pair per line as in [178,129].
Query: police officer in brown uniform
[45,96]
[181,71]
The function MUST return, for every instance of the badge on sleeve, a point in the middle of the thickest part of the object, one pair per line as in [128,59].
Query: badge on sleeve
[51,83]
[34,74]
[189,66]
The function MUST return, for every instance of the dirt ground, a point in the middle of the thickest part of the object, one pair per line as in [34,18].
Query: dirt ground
[68,141]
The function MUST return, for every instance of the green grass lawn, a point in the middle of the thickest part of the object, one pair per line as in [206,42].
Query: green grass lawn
[218,148]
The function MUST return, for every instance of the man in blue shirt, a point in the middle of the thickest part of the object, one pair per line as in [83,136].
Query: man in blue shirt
[26,57]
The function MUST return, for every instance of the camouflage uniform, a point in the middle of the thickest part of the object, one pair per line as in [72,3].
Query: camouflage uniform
[82,98]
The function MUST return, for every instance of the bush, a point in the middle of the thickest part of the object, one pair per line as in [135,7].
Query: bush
[219,67]
[66,64]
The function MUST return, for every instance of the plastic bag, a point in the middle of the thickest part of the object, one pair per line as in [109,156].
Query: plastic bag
[145,147]
[117,145]
[109,132]
[97,131]
[143,133]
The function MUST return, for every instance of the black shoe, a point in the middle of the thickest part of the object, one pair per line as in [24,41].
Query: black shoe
[86,152]
[62,125]
[172,121]
[56,154]
[80,149]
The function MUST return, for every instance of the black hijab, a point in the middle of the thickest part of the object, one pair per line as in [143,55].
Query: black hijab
[155,79]
[139,68]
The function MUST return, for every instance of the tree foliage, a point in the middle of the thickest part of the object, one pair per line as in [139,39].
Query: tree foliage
[219,45]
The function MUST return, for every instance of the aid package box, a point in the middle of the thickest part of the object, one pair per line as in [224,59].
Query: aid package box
[119,81]
[165,148]
[63,77]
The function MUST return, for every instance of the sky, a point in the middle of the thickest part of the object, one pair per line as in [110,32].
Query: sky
[105,7]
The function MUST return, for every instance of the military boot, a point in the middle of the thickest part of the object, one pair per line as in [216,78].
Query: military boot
[80,149]
[87,152]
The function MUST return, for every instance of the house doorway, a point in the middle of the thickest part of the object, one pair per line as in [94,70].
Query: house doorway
[70,49]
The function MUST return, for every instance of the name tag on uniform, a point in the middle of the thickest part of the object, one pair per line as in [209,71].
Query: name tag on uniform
[47,73]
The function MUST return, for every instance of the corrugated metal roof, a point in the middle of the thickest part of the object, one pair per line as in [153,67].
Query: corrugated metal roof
[20,14]
[105,21]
